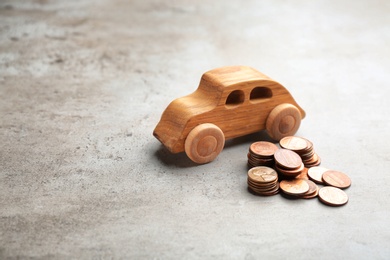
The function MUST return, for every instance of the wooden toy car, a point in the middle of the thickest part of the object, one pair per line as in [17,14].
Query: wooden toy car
[229,102]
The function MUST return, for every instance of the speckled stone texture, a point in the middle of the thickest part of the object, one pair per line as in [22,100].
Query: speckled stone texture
[83,84]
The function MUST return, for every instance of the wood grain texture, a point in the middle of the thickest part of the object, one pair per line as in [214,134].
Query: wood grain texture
[284,120]
[236,99]
[204,143]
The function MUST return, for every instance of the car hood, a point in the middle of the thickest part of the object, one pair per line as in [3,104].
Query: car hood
[169,130]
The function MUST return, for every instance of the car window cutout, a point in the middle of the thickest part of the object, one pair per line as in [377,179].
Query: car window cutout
[235,98]
[260,93]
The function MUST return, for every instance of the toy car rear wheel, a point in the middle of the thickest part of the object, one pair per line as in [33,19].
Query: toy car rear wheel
[204,143]
[284,120]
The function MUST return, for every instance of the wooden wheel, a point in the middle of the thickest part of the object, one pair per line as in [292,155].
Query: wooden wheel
[204,143]
[284,120]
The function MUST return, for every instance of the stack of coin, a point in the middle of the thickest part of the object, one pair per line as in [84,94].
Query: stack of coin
[296,165]
[263,180]
[288,163]
[261,154]
[303,147]
[299,188]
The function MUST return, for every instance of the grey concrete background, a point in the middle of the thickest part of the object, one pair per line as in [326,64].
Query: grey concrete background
[83,84]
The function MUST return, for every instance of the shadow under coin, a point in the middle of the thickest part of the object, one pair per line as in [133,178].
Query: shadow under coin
[286,196]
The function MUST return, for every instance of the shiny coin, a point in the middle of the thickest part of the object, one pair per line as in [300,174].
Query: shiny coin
[307,156]
[336,179]
[313,190]
[259,160]
[332,196]
[260,185]
[303,174]
[287,159]
[313,195]
[290,173]
[255,157]
[313,164]
[293,143]
[265,193]
[261,163]
[315,174]
[263,149]
[268,189]
[262,174]
[312,160]
[294,186]
[309,145]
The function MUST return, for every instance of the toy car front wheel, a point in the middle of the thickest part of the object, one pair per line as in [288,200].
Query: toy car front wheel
[204,143]
[284,120]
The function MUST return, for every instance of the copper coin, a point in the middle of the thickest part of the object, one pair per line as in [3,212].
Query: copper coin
[332,196]
[313,195]
[263,149]
[260,160]
[253,156]
[303,174]
[274,191]
[262,174]
[313,188]
[293,143]
[313,164]
[292,171]
[261,185]
[336,179]
[261,163]
[307,156]
[312,159]
[294,186]
[309,144]
[288,159]
[315,174]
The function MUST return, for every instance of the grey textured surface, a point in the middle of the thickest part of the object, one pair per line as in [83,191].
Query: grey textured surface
[83,83]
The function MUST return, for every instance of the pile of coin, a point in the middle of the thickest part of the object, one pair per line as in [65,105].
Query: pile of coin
[261,154]
[315,174]
[322,175]
[332,194]
[288,163]
[299,188]
[303,147]
[296,165]
[263,181]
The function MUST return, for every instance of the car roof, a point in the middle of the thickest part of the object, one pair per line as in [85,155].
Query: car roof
[222,78]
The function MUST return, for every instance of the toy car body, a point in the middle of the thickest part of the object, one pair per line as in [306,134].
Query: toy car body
[238,100]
